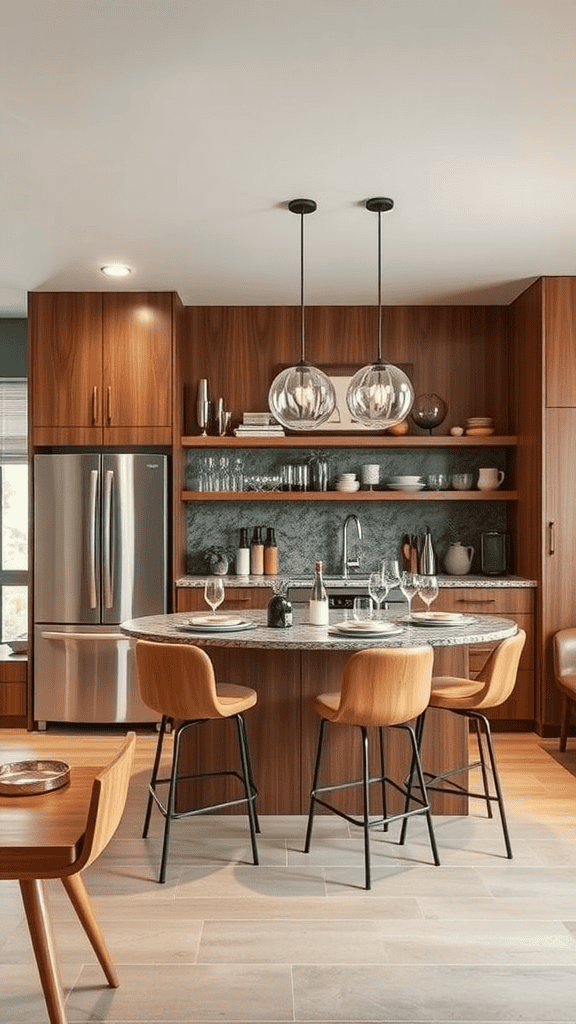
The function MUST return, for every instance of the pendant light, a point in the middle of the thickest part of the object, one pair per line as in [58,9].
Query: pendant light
[302,397]
[379,395]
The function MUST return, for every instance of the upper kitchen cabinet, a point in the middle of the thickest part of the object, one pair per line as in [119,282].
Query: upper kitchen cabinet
[101,368]
[560,341]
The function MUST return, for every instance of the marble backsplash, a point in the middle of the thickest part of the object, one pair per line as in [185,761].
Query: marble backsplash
[306,531]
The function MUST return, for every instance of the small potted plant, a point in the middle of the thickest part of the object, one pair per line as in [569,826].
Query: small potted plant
[218,558]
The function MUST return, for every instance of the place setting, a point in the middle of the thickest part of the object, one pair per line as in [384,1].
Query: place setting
[216,622]
[427,589]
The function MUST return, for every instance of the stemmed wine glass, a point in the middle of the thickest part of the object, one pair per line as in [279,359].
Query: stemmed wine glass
[378,589]
[391,573]
[409,587]
[214,593]
[428,590]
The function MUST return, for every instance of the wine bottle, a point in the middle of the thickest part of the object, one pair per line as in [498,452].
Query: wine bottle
[271,559]
[257,553]
[243,554]
[318,599]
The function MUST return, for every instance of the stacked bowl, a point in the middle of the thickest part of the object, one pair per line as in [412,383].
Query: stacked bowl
[406,483]
[347,482]
[479,426]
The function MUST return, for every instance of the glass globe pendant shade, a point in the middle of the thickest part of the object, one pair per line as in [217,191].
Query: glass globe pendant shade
[379,396]
[302,397]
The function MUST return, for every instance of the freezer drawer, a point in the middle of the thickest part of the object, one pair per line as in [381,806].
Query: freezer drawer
[85,674]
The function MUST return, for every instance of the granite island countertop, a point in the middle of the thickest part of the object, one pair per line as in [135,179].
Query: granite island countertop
[473,582]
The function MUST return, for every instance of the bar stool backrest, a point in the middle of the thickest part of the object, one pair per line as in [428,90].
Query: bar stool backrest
[500,671]
[177,680]
[385,687]
[564,648]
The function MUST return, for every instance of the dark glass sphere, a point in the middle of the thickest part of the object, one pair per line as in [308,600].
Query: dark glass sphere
[429,411]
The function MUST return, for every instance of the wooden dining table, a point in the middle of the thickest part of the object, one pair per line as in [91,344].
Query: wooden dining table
[40,835]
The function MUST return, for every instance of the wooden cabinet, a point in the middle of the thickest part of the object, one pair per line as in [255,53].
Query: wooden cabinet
[191,599]
[13,698]
[515,603]
[101,368]
[560,341]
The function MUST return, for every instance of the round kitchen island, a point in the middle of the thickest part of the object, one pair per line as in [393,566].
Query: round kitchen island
[287,668]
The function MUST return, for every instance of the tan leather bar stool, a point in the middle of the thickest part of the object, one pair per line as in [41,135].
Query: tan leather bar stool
[177,681]
[379,688]
[469,697]
[564,650]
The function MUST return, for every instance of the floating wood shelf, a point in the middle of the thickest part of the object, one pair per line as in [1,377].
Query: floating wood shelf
[354,496]
[350,441]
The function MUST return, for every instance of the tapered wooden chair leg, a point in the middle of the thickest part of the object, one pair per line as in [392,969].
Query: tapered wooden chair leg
[35,908]
[82,904]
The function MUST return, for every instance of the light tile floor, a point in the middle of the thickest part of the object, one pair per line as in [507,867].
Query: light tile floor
[298,939]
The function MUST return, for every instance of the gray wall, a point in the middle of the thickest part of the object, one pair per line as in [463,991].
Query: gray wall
[13,347]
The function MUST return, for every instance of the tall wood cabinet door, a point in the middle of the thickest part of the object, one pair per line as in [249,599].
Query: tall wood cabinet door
[66,359]
[559,555]
[137,374]
[560,338]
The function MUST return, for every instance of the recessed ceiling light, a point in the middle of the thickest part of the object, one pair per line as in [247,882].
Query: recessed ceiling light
[115,270]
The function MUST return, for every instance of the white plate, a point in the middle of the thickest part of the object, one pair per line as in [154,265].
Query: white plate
[406,487]
[365,635]
[200,630]
[463,620]
[368,626]
[215,620]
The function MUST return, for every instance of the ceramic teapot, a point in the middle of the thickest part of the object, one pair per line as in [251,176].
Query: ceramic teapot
[458,559]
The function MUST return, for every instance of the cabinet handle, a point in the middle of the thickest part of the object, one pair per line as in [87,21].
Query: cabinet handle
[109,404]
[95,404]
[476,600]
[551,538]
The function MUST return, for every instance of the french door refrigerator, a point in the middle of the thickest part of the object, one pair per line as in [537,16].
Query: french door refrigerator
[100,556]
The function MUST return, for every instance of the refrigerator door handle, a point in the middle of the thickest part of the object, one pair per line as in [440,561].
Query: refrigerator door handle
[83,636]
[107,540]
[92,537]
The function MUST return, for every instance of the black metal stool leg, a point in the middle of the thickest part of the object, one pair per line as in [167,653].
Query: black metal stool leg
[366,804]
[170,804]
[317,767]
[483,767]
[250,797]
[496,776]
[251,777]
[422,786]
[383,775]
[419,732]
[154,776]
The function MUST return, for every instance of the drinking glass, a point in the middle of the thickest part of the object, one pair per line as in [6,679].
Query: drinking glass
[409,587]
[362,610]
[214,593]
[378,589]
[391,573]
[428,590]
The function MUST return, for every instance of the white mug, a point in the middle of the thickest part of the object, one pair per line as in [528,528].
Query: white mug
[489,479]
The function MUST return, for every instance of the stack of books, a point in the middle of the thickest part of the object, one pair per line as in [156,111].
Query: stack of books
[259,424]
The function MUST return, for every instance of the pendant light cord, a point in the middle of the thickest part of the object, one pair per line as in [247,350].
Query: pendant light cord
[379,286]
[303,340]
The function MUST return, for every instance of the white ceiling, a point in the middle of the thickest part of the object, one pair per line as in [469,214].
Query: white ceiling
[169,134]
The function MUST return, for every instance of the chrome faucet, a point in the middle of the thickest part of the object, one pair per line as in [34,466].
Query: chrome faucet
[347,562]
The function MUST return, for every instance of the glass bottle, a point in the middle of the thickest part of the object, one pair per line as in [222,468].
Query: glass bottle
[271,559]
[318,599]
[257,553]
[243,554]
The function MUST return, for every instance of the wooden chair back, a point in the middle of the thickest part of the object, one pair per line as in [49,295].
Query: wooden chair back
[177,680]
[107,802]
[499,672]
[385,687]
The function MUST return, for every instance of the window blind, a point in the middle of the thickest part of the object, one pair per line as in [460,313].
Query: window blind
[13,419]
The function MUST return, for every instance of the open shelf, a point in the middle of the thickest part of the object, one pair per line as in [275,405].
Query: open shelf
[353,496]
[351,441]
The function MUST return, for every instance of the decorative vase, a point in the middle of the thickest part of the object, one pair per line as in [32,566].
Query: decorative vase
[218,565]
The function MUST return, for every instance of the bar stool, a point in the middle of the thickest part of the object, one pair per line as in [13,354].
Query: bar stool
[564,649]
[468,697]
[177,681]
[379,688]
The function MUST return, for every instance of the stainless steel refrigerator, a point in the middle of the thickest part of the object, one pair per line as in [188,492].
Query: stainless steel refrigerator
[100,556]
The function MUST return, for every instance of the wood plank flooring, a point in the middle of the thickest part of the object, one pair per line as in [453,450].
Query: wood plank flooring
[478,939]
